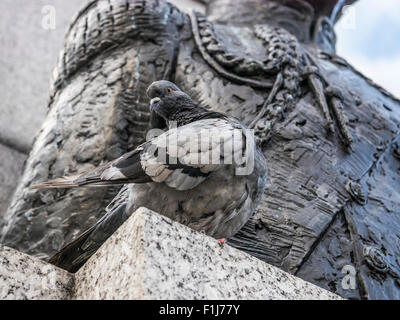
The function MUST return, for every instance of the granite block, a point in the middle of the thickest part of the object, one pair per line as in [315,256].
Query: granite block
[152,257]
[23,277]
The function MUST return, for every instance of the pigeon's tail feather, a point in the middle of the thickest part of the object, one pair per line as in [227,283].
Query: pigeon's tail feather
[63,182]
[92,178]
[72,256]
[70,182]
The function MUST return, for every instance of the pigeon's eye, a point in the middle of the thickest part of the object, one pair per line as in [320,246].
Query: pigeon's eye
[168,90]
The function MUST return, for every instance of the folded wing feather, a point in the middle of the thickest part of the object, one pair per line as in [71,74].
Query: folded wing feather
[182,158]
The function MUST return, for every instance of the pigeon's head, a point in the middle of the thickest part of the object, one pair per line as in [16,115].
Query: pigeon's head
[168,103]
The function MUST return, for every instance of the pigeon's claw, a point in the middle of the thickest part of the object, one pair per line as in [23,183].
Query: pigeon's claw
[221,242]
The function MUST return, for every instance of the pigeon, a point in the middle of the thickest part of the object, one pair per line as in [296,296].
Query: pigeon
[205,171]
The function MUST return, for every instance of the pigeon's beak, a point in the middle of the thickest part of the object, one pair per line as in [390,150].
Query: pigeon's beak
[153,103]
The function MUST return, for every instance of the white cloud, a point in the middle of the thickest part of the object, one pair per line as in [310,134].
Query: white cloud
[372,46]
[384,72]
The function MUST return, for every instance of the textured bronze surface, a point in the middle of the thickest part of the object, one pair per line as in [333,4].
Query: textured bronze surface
[329,134]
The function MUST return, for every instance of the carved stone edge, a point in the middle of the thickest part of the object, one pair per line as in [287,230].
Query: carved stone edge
[152,257]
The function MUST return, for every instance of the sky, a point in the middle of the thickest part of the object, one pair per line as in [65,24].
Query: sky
[369,38]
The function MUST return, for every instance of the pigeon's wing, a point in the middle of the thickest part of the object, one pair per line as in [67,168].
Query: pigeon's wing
[182,158]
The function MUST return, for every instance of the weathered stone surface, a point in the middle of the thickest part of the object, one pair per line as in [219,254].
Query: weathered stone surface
[29,51]
[25,277]
[10,170]
[152,257]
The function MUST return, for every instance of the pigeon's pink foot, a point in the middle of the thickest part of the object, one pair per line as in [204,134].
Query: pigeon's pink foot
[221,242]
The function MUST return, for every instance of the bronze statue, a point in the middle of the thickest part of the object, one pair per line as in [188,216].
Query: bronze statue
[329,134]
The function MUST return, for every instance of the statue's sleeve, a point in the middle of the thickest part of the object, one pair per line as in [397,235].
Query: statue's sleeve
[98,110]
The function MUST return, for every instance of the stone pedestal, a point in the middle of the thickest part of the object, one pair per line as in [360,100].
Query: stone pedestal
[25,277]
[152,257]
